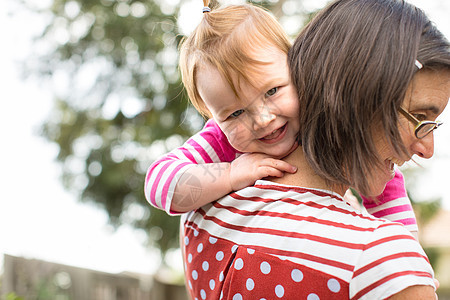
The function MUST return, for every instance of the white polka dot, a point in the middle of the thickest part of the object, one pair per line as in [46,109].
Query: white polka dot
[237,297]
[200,248]
[196,298]
[212,284]
[221,295]
[312,296]
[203,294]
[212,240]
[265,267]
[205,266]
[194,275]
[250,284]
[221,276]
[263,299]
[250,251]
[234,248]
[219,255]
[189,257]
[186,240]
[333,285]
[297,275]
[279,291]
[195,232]
[239,264]
[190,284]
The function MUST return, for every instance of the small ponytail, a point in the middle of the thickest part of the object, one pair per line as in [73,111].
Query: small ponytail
[206,6]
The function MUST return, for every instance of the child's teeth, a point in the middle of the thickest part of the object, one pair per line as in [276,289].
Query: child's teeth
[273,134]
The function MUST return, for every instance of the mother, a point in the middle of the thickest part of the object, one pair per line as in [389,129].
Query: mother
[372,76]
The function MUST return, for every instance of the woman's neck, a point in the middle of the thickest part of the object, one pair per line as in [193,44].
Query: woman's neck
[305,175]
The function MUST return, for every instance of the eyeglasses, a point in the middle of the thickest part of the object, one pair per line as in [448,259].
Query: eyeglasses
[422,128]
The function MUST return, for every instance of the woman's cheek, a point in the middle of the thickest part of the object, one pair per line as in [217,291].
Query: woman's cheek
[406,133]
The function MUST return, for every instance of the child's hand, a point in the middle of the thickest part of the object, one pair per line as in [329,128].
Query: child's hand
[249,167]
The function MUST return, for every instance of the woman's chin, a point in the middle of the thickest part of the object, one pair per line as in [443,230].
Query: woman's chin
[377,186]
[375,192]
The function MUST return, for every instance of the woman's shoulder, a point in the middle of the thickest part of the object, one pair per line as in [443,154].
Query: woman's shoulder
[393,260]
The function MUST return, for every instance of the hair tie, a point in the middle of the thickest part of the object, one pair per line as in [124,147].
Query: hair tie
[206,6]
[418,64]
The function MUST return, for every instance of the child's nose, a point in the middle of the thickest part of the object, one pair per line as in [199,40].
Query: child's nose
[263,118]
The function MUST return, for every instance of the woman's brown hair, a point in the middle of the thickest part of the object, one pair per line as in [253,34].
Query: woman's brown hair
[351,66]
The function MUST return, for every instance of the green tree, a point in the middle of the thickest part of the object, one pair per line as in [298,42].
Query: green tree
[123,93]
[12,296]
[119,102]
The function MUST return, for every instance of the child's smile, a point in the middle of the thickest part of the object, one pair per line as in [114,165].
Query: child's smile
[275,136]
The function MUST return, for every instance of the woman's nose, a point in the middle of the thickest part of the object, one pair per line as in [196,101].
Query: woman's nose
[424,147]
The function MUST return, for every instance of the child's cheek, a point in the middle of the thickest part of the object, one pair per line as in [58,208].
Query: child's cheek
[237,135]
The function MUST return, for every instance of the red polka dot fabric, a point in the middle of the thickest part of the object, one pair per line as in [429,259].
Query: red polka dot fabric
[218,269]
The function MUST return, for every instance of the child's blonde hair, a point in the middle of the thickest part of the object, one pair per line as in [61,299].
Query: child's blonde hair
[223,40]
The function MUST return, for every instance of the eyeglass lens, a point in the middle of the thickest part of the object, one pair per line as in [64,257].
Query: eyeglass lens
[424,129]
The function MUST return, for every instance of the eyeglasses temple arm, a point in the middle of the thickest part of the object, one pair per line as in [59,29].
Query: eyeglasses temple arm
[408,116]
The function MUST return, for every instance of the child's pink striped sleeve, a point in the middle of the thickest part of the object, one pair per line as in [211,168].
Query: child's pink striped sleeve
[209,145]
[393,204]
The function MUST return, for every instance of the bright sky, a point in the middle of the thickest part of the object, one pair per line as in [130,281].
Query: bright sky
[38,219]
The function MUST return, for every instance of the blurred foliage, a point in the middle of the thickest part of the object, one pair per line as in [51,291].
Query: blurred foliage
[424,209]
[119,102]
[12,296]
[433,255]
[127,51]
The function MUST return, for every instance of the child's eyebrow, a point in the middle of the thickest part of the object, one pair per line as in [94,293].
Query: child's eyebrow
[272,82]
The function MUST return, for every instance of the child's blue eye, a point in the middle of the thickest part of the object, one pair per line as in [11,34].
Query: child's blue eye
[271,92]
[237,113]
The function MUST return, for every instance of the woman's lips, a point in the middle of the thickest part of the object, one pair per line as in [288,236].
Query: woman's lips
[275,136]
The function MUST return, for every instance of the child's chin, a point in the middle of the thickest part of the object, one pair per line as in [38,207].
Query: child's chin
[274,151]
[284,151]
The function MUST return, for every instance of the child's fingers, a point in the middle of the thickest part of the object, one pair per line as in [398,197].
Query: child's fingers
[280,165]
[266,171]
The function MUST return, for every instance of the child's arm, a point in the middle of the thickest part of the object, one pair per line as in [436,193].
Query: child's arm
[204,169]
[394,204]
[204,183]
[165,173]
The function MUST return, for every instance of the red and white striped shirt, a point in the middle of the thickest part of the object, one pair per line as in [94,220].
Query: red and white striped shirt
[275,241]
